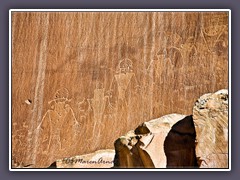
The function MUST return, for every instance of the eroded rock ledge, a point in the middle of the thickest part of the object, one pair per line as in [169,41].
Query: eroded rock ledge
[172,141]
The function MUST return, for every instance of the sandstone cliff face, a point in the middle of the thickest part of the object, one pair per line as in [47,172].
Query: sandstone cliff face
[77,75]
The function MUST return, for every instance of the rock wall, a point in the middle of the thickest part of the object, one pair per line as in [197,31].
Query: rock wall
[82,75]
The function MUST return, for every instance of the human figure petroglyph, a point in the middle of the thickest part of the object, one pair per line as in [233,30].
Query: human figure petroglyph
[176,50]
[98,103]
[156,64]
[213,29]
[124,88]
[171,38]
[123,77]
[56,122]
[214,25]
[185,51]
[84,108]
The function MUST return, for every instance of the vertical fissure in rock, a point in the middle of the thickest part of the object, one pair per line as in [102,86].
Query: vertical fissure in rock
[179,145]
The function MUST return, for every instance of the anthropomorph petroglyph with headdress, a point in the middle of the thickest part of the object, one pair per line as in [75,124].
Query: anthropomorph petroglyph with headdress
[122,79]
[98,103]
[57,130]
[214,31]
[123,87]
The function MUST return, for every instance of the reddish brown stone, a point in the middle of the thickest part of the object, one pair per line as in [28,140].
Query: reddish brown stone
[82,79]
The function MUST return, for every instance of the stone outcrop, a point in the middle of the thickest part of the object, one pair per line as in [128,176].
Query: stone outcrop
[144,147]
[210,115]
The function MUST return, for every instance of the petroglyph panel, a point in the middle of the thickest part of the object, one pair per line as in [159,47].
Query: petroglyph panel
[82,79]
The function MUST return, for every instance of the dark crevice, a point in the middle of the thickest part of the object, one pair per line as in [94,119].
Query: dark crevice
[179,145]
[53,165]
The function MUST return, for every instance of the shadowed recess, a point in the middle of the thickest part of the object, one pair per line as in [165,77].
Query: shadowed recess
[179,145]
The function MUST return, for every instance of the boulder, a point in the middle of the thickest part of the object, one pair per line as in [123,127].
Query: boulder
[144,147]
[179,145]
[210,114]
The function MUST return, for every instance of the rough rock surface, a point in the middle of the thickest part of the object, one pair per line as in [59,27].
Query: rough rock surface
[176,141]
[171,141]
[210,115]
[98,159]
[144,147]
[79,76]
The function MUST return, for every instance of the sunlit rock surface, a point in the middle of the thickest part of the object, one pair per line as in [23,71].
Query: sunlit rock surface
[144,147]
[210,115]
[80,80]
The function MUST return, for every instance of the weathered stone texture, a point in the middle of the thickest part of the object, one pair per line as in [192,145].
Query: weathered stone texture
[83,75]
[171,141]
[210,115]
